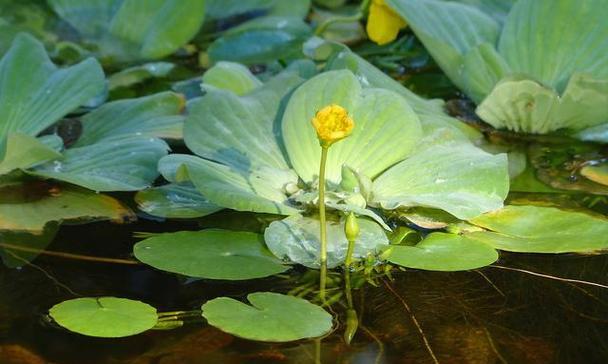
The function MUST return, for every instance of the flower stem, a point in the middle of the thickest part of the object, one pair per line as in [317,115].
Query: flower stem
[323,222]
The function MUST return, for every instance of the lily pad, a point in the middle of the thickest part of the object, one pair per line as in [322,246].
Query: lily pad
[270,317]
[211,254]
[444,252]
[105,316]
[536,229]
[232,77]
[297,239]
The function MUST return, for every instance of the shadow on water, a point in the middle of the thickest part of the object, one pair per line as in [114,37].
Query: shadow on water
[486,316]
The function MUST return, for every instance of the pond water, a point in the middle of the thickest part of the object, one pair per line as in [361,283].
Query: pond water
[490,315]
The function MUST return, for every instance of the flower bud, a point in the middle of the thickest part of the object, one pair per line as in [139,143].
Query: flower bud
[351,227]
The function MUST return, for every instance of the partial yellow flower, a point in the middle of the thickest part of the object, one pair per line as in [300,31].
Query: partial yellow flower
[383,23]
[332,123]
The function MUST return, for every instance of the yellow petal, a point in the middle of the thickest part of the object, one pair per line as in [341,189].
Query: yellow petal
[383,23]
[332,123]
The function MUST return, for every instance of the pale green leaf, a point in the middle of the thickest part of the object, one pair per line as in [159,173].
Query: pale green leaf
[211,254]
[455,177]
[527,106]
[157,115]
[107,317]
[257,190]
[551,40]
[270,317]
[231,76]
[444,252]
[22,151]
[449,30]
[114,164]
[35,94]
[174,201]
[536,229]
[379,116]
[296,238]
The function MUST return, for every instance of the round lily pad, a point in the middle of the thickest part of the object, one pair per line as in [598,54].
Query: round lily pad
[270,317]
[444,252]
[105,316]
[211,254]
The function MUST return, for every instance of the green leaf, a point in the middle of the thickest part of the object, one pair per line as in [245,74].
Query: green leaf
[536,229]
[157,115]
[107,317]
[211,254]
[113,164]
[379,116]
[129,30]
[231,76]
[449,30]
[296,238]
[261,40]
[35,94]
[174,201]
[455,177]
[370,76]
[270,317]
[29,207]
[239,131]
[484,68]
[527,106]
[131,76]
[444,252]
[258,190]
[220,9]
[551,41]
[22,151]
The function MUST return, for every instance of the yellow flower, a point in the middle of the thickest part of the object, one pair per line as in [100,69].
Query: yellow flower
[383,23]
[332,123]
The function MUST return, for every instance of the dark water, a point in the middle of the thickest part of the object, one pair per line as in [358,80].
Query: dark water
[491,315]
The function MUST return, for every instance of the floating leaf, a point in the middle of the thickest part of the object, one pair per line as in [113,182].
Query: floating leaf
[455,177]
[127,30]
[297,239]
[270,317]
[29,207]
[174,201]
[444,252]
[104,316]
[18,248]
[211,254]
[536,229]
[134,75]
[262,40]
[232,77]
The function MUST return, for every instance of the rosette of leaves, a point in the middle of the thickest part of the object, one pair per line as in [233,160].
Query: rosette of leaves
[132,30]
[538,69]
[113,148]
[258,152]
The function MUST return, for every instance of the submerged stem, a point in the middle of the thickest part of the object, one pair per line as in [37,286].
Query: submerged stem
[323,222]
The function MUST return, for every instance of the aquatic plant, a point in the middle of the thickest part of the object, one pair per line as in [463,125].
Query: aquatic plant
[132,30]
[540,68]
[113,148]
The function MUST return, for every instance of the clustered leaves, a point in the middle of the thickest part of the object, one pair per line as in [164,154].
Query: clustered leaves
[250,143]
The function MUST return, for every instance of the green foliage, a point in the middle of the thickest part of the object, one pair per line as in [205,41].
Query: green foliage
[130,30]
[526,75]
[211,254]
[107,317]
[174,200]
[270,317]
[443,252]
[536,229]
